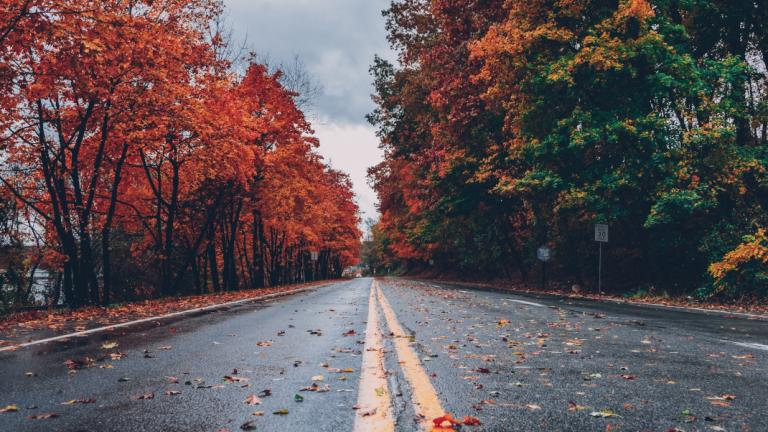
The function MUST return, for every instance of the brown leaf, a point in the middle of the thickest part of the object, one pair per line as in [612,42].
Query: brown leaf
[145,396]
[79,401]
[471,421]
[44,416]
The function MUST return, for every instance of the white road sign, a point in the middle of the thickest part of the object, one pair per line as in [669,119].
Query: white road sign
[601,233]
[544,254]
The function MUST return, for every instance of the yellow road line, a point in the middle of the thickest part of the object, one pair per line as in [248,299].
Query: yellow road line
[374,411]
[425,401]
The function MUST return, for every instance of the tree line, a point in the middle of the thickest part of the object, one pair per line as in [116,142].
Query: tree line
[137,160]
[511,124]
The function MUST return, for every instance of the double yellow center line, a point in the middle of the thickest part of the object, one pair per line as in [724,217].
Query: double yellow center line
[374,399]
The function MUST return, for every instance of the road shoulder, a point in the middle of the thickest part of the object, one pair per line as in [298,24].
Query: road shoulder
[48,326]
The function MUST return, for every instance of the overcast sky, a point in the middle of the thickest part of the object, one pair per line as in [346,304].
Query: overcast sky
[336,40]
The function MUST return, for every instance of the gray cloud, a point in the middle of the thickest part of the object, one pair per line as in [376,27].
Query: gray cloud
[336,39]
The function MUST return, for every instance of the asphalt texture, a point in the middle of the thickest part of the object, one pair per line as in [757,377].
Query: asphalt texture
[517,363]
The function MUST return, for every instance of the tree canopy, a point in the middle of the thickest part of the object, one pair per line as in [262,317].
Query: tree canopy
[508,125]
[142,163]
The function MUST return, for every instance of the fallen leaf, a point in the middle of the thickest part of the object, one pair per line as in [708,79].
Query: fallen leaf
[43,416]
[281,412]
[145,396]
[9,408]
[606,413]
[368,413]
[471,421]
[234,379]
[573,406]
[253,400]
[316,388]
[444,423]
[109,345]
[172,392]
[249,425]
[79,401]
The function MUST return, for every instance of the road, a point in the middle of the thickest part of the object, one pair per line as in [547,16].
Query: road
[394,354]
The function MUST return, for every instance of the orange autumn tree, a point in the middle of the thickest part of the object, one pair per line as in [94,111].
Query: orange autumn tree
[289,197]
[80,84]
[140,155]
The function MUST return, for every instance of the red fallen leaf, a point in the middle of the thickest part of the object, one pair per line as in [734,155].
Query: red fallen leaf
[471,421]
[444,423]
[172,380]
[44,416]
[627,377]
[233,379]
[483,370]
[350,333]
[253,400]
[145,396]
[172,392]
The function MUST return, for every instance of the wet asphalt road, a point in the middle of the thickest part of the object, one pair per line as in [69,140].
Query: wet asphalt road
[516,363]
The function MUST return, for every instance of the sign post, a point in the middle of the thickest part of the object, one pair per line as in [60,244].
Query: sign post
[314,255]
[601,236]
[544,254]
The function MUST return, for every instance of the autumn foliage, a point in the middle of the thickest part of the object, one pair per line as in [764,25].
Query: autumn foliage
[508,125]
[139,162]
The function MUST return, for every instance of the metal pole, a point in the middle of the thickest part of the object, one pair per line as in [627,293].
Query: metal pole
[600,270]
